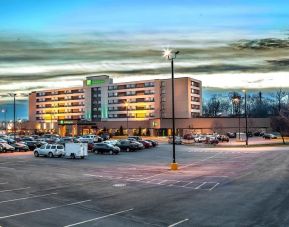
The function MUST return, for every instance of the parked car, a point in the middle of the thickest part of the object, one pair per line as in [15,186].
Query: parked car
[112,142]
[105,136]
[178,140]
[231,134]
[50,150]
[200,139]
[101,148]
[212,140]
[146,143]
[32,145]
[137,138]
[189,136]
[269,136]
[154,143]
[6,147]
[126,145]
[20,146]
[223,138]
[90,139]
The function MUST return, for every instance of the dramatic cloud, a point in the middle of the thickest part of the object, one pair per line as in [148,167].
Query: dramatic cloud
[40,62]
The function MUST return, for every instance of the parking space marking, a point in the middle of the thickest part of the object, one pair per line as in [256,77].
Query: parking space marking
[3,183]
[44,209]
[200,185]
[16,189]
[98,218]
[214,186]
[195,163]
[177,223]
[25,198]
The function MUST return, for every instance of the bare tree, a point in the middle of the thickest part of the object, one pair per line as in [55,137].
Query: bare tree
[278,97]
[280,123]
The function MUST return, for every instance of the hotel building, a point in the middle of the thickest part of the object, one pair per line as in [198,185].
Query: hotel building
[52,107]
[103,103]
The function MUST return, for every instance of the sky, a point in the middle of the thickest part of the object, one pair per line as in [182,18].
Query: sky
[228,44]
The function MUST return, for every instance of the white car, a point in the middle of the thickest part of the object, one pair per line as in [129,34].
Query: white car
[89,139]
[178,140]
[49,150]
[200,139]
[6,147]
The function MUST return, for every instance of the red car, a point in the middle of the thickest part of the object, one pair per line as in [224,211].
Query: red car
[146,144]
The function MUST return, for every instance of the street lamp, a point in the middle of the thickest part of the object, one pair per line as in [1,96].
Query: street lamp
[246,116]
[171,55]
[126,105]
[14,112]
[238,101]
[4,111]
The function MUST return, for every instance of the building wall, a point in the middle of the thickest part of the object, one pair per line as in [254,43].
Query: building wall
[32,107]
[48,107]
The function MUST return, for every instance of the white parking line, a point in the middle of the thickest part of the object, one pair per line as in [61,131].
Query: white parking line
[182,167]
[29,197]
[16,189]
[200,185]
[177,223]
[214,186]
[188,184]
[4,183]
[48,208]
[94,219]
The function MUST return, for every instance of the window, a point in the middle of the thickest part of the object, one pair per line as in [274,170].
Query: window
[195,91]
[48,146]
[59,147]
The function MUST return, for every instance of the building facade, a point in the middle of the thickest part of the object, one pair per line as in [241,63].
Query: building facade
[102,100]
[141,100]
[51,108]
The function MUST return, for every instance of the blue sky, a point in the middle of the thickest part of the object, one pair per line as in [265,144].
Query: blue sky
[74,15]
[225,43]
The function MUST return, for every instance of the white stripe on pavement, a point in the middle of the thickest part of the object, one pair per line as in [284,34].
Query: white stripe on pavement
[94,219]
[29,197]
[177,223]
[16,189]
[48,208]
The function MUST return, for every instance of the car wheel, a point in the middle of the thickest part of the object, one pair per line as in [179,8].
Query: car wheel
[82,157]
[59,156]
[72,156]
[110,152]
[95,151]
[127,149]
[50,155]
[36,154]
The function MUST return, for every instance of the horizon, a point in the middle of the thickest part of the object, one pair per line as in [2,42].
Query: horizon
[228,45]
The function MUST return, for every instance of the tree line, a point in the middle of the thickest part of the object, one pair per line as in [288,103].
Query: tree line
[258,105]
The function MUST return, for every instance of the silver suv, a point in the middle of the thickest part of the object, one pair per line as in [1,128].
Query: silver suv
[49,150]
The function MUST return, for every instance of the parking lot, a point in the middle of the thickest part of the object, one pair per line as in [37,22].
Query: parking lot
[213,187]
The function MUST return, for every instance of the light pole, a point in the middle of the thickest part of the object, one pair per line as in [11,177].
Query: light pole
[237,101]
[14,113]
[171,55]
[4,111]
[126,105]
[246,117]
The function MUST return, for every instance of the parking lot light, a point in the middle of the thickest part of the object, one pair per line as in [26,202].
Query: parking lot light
[246,117]
[171,55]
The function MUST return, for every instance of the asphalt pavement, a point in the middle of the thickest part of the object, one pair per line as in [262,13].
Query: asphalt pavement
[213,187]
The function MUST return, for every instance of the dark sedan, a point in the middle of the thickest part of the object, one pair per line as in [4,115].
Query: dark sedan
[126,145]
[102,148]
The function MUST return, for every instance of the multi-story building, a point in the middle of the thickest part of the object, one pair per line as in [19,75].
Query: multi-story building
[58,106]
[102,101]
[141,100]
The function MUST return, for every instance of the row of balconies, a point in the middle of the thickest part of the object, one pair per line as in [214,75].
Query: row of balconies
[59,93]
[131,86]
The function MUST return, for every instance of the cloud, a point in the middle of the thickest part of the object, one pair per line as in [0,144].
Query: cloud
[30,62]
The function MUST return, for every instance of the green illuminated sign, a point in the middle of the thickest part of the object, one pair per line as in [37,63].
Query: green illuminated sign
[63,122]
[94,82]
